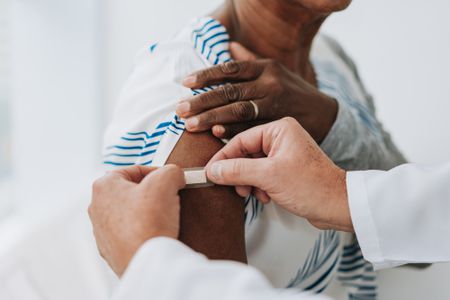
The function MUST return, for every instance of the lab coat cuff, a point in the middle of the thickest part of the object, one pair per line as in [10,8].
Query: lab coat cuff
[362,219]
[153,257]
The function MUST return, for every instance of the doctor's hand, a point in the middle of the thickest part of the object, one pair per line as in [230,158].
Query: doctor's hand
[282,163]
[254,91]
[131,206]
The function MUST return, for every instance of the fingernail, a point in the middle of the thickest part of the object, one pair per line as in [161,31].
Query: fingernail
[218,130]
[183,107]
[190,80]
[216,171]
[192,123]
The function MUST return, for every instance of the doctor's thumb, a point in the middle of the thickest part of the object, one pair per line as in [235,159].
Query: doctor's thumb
[239,172]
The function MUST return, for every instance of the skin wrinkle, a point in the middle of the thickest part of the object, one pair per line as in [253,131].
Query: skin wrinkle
[281,34]
[260,26]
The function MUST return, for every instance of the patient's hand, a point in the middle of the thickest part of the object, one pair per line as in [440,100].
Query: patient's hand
[212,219]
[255,92]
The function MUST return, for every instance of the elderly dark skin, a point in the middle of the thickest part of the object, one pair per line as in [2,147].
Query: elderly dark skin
[272,76]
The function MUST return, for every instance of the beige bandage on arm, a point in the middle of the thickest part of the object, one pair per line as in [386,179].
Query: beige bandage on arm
[196,178]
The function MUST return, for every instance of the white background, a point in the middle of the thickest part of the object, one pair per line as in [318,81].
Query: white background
[70,59]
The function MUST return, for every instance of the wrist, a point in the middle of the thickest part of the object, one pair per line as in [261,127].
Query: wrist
[339,212]
[333,211]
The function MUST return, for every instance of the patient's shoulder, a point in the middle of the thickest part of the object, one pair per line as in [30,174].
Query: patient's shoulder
[202,43]
[166,61]
[144,128]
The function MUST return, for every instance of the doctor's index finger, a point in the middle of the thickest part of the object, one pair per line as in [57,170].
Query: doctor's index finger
[134,174]
[243,145]
[168,178]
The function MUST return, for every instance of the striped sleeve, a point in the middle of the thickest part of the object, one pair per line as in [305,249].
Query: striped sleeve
[145,129]
[358,141]
[356,274]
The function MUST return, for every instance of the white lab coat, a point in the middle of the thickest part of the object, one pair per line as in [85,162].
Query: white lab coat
[166,269]
[402,215]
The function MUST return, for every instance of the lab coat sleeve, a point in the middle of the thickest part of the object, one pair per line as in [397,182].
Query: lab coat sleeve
[403,215]
[167,269]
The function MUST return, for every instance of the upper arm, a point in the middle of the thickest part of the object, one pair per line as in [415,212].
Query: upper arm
[212,219]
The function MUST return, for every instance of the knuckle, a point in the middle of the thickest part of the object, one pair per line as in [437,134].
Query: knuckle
[273,65]
[272,83]
[205,75]
[275,68]
[231,92]
[208,72]
[253,91]
[204,101]
[97,185]
[230,68]
[243,111]
[290,121]
[209,118]
[236,169]
[276,88]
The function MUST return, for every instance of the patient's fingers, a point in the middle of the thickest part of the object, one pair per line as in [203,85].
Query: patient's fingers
[221,96]
[231,130]
[227,72]
[243,111]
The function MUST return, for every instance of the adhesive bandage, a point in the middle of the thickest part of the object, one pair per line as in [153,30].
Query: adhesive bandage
[196,178]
